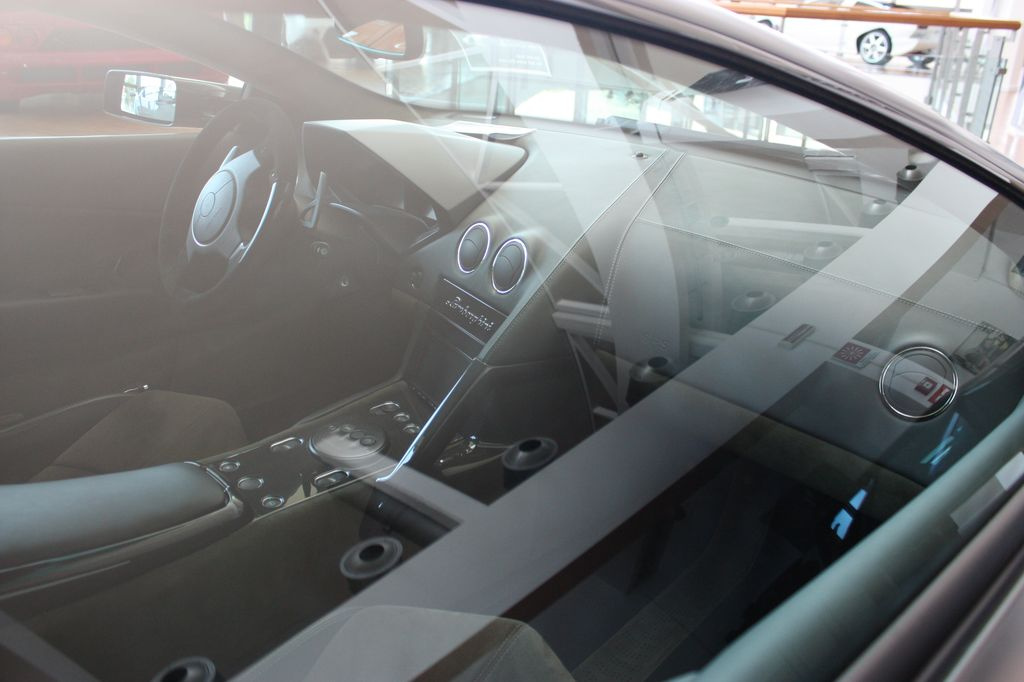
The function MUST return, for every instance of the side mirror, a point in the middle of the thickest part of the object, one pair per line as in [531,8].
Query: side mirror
[165,100]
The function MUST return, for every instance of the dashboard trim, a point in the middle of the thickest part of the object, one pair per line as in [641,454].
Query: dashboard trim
[522,272]
[487,247]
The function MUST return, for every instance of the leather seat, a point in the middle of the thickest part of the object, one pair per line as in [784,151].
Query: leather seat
[118,433]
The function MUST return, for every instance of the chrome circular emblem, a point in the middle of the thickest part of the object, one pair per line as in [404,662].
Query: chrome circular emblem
[918,383]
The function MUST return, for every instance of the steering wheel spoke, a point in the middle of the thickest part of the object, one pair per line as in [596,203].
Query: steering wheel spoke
[243,166]
[230,238]
[232,153]
[236,257]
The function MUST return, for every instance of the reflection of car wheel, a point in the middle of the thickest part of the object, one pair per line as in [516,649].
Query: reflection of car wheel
[875,47]
[921,61]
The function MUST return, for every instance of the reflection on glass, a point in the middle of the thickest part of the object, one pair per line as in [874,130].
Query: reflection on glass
[379,37]
[149,97]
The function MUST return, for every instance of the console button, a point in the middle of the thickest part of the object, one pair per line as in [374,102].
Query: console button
[352,451]
[286,445]
[411,429]
[389,407]
[402,417]
[228,466]
[250,483]
[272,502]
[330,479]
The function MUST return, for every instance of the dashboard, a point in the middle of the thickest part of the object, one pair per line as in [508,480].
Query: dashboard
[664,260]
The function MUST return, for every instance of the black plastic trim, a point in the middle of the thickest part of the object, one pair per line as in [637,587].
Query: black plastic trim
[58,532]
[913,639]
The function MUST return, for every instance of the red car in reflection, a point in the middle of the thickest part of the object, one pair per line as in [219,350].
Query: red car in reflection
[40,55]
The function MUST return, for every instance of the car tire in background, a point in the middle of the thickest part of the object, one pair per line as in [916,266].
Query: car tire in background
[875,47]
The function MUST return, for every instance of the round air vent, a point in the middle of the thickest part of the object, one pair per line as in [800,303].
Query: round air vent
[509,266]
[473,247]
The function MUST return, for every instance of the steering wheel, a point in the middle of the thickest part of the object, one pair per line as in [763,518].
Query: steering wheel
[207,239]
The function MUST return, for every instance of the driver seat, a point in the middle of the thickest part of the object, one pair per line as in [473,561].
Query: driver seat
[117,433]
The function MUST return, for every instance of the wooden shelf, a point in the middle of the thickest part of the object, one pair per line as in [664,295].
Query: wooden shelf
[877,16]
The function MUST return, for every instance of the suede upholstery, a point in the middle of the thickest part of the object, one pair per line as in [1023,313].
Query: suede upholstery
[154,427]
[384,643]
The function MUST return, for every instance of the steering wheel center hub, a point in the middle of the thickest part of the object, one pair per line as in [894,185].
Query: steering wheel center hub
[213,208]
[206,237]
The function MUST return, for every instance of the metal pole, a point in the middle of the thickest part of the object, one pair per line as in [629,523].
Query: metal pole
[940,66]
[954,78]
[947,62]
[987,87]
[1000,74]
[979,36]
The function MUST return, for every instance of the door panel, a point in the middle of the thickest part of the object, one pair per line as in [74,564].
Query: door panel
[79,218]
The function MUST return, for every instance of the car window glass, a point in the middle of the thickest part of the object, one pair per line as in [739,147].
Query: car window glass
[637,351]
[778,292]
[54,69]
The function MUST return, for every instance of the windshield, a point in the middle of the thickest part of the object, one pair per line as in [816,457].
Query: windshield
[478,74]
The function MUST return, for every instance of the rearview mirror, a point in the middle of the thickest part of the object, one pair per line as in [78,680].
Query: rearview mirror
[378,39]
[165,100]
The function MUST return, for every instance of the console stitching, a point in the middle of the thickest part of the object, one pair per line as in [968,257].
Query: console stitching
[506,646]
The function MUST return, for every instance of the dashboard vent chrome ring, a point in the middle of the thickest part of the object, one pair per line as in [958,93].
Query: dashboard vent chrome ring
[469,254]
[509,265]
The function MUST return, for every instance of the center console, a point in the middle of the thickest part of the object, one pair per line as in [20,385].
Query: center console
[354,443]
[448,416]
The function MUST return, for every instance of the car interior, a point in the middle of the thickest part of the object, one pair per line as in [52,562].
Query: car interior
[318,371]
